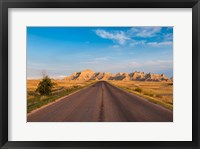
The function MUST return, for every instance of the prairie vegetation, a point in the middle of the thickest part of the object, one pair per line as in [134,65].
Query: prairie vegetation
[157,92]
[61,88]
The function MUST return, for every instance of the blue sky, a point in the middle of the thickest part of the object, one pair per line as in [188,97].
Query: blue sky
[60,51]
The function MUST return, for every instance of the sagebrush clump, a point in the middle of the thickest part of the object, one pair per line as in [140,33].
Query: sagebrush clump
[45,86]
[138,90]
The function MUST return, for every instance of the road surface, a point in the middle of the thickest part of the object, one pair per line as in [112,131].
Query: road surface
[102,102]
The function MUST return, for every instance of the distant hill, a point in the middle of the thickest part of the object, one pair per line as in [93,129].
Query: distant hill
[87,74]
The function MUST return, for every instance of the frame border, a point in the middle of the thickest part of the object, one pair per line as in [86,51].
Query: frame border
[6,4]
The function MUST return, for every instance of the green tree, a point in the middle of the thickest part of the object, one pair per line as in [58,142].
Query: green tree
[45,86]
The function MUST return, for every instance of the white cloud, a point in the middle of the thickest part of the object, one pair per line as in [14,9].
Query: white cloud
[96,60]
[101,58]
[135,64]
[118,36]
[170,28]
[90,62]
[165,43]
[144,31]
[58,77]
[130,37]
[168,37]
[161,63]
[153,66]
[115,46]
[134,43]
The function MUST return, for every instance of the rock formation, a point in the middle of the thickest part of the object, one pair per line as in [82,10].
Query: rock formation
[134,76]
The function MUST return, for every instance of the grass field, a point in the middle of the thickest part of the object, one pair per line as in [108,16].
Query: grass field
[157,92]
[61,88]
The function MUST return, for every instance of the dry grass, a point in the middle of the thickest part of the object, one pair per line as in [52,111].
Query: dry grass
[61,88]
[157,92]
[59,85]
[32,84]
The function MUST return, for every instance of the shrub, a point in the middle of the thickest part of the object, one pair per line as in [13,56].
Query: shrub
[149,94]
[32,93]
[76,86]
[170,84]
[159,96]
[138,90]
[45,86]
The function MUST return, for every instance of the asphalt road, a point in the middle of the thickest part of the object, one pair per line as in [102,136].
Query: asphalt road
[102,102]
